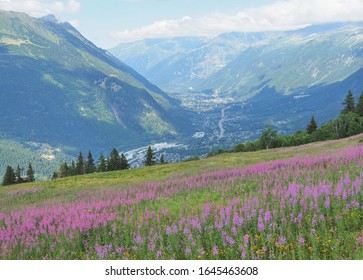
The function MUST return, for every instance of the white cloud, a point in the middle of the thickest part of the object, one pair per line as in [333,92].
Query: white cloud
[41,7]
[281,15]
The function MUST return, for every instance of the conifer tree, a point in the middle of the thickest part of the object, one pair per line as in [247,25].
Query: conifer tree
[80,165]
[162,159]
[90,164]
[18,177]
[30,174]
[312,126]
[150,158]
[102,165]
[64,170]
[349,103]
[124,162]
[359,108]
[55,175]
[114,161]
[72,169]
[9,176]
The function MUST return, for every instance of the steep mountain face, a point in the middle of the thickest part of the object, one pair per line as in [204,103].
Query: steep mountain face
[240,65]
[180,64]
[57,88]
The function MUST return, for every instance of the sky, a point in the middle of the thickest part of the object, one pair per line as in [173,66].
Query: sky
[110,22]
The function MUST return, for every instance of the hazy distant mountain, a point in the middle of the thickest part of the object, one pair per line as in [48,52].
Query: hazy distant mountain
[57,88]
[293,62]
[242,64]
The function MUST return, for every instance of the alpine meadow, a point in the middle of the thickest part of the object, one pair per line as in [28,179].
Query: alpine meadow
[216,136]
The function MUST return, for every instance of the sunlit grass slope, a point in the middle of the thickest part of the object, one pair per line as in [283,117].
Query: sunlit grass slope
[295,203]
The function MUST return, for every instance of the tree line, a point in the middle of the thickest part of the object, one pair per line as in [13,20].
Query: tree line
[83,165]
[12,177]
[348,123]
[115,161]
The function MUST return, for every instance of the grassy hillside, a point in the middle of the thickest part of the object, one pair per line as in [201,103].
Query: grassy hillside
[297,203]
[55,83]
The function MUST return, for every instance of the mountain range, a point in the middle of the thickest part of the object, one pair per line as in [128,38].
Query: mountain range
[240,65]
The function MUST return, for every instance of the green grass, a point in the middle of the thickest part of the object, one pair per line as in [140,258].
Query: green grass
[127,178]
[112,199]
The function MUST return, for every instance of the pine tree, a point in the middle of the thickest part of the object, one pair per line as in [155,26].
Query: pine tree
[102,165]
[90,164]
[80,165]
[9,176]
[349,103]
[55,175]
[124,162]
[18,177]
[359,108]
[114,161]
[72,169]
[312,126]
[30,174]
[150,158]
[162,159]
[64,170]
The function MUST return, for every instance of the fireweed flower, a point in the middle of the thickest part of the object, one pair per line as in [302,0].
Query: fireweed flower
[260,225]
[234,230]
[281,241]
[119,250]
[159,253]
[267,217]
[168,230]
[301,240]
[245,239]
[215,250]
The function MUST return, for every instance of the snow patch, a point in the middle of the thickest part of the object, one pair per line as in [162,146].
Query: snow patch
[198,135]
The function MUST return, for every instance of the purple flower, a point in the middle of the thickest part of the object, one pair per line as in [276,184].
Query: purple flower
[215,250]
[101,251]
[151,247]
[234,230]
[281,241]
[230,240]
[168,230]
[159,253]
[301,240]
[139,239]
[260,227]
[245,238]
[267,217]
[119,250]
